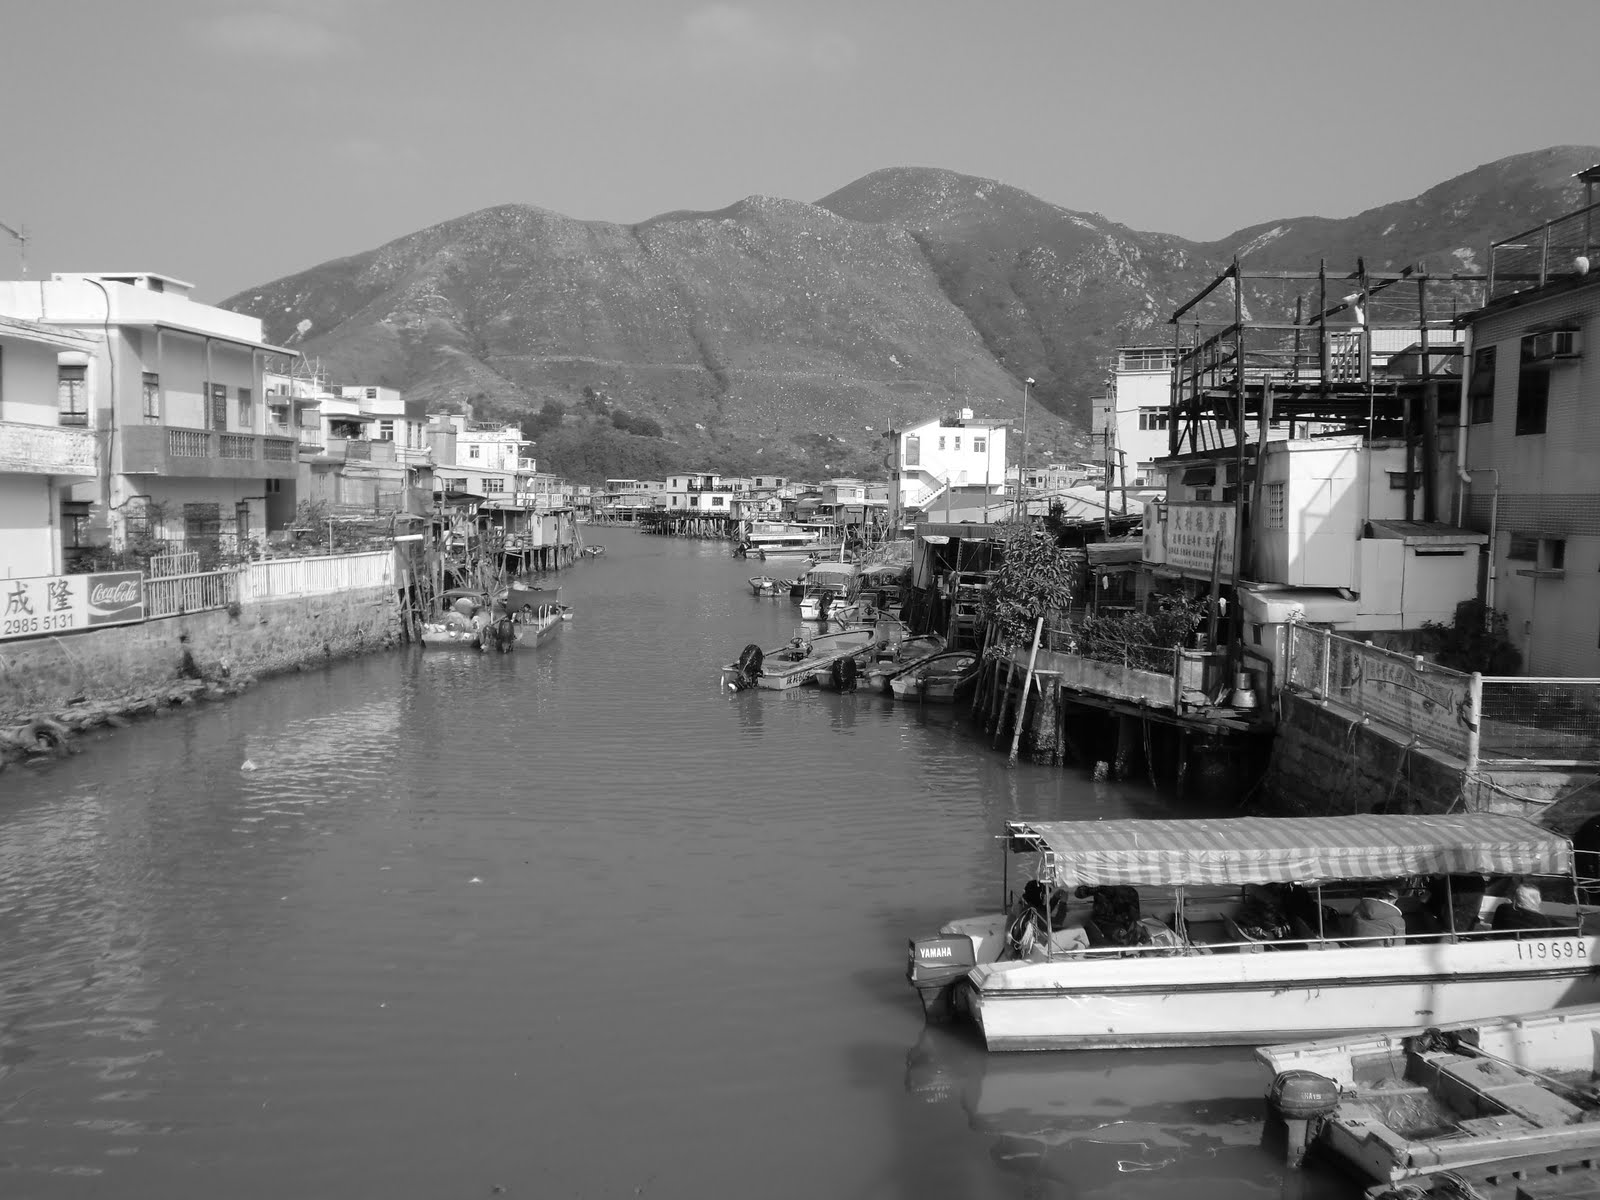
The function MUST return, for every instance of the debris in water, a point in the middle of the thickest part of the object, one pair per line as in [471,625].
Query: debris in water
[248,764]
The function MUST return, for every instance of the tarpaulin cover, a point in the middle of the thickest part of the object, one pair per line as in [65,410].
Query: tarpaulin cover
[1289,849]
[833,574]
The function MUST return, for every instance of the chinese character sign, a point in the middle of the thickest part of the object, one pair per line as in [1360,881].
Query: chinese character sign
[65,603]
[1192,534]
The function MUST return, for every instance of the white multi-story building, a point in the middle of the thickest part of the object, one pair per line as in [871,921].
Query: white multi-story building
[704,493]
[490,445]
[951,452]
[1135,408]
[42,527]
[175,388]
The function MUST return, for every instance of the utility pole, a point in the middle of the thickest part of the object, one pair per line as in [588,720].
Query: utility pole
[1022,458]
[21,234]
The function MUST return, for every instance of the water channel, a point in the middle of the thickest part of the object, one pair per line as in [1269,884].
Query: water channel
[574,923]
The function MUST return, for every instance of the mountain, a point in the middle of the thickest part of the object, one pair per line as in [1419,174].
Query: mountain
[800,331]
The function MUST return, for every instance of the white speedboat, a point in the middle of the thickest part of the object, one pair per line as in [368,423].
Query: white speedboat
[1151,933]
[1454,1098]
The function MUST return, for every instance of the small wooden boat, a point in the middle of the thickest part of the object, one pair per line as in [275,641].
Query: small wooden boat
[893,657]
[1456,1098]
[939,677]
[470,621]
[766,585]
[795,662]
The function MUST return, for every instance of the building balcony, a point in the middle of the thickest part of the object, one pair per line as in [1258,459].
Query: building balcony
[47,450]
[205,453]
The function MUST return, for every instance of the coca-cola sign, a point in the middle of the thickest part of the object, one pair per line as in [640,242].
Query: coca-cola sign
[116,598]
[50,605]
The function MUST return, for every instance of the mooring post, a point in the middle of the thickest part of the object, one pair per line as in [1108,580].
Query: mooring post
[1027,683]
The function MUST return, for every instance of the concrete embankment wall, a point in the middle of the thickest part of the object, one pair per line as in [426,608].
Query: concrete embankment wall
[1326,761]
[257,638]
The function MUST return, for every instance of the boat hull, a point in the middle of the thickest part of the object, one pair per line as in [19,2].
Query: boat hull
[780,674]
[1255,998]
[529,635]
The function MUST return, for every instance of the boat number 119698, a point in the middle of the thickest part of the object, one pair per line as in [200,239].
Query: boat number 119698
[1547,949]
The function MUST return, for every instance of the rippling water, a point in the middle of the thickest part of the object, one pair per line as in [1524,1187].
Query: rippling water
[569,923]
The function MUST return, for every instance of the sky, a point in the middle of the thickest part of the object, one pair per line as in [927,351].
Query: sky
[232,142]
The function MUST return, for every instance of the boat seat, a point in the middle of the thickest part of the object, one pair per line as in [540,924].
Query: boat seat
[1480,1087]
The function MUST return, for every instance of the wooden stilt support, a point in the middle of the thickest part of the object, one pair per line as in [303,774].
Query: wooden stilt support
[1027,684]
[1005,701]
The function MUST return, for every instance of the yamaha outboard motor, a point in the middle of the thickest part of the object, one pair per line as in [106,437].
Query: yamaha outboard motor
[844,672]
[934,968]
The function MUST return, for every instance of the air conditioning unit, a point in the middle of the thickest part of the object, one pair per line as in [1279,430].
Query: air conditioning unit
[1557,344]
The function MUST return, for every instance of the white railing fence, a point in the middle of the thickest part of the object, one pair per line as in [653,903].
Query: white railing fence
[284,578]
[272,579]
[196,592]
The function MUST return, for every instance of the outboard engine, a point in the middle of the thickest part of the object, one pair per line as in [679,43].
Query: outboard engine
[1301,1099]
[750,660]
[935,966]
[844,672]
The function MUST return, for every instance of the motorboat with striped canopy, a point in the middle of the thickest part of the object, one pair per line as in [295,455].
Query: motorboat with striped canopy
[1261,929]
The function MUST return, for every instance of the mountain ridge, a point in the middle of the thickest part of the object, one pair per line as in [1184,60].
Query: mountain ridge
[780,328]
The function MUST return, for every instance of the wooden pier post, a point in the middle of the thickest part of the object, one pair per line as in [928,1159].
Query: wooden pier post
[1127,739]
[1027,684]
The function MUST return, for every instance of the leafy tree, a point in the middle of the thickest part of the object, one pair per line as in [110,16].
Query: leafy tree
[1036,578]
[1477,640]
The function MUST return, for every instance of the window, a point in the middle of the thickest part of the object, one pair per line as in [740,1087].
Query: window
[1400,480]
[958,441]
[1152,418]
[694,501]
[717,502]
[941,441]
[151,389]
[241,523]
[247,413]
[1202,493]
[72,395]
[74,524]
[1533,392]
[372,393]
[1524,548]
[913,452]
[1273,496]
[1553,554]
[494,485]
[980,445]
[472,452]
[386,431]
[1481,391]
[219,406]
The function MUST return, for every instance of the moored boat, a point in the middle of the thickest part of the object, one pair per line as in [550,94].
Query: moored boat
[938,677]
[892,657]
[1150,933]
[1454,1098]
[796,661]
[470,620]
[831,591]
[766,585]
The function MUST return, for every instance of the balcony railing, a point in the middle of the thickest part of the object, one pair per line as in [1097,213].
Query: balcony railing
[47,450]
[1545,253]
[159,450]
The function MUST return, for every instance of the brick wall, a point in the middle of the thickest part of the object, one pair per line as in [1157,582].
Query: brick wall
[44,674]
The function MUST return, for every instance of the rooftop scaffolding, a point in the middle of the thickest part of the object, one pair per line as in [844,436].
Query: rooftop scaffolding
[1323,371]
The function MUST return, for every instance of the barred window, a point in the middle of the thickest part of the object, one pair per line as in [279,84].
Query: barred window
[1273,496]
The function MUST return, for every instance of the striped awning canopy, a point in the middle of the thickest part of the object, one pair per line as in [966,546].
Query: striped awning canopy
[1288,849]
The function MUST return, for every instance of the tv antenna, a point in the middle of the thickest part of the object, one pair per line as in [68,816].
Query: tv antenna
[21,234]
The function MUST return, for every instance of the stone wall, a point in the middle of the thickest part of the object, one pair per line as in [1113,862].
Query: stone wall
[1325,762]
[43,674]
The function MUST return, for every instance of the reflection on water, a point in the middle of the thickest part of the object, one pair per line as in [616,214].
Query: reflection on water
[569,923]
[1114,1123]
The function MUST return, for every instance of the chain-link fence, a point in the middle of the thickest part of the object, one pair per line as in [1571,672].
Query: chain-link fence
[1429,703]
[1552,721]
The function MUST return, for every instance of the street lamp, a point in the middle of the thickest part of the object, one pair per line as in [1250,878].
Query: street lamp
[1022,458]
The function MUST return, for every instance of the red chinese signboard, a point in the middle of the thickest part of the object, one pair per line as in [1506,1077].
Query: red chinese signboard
[68,603]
